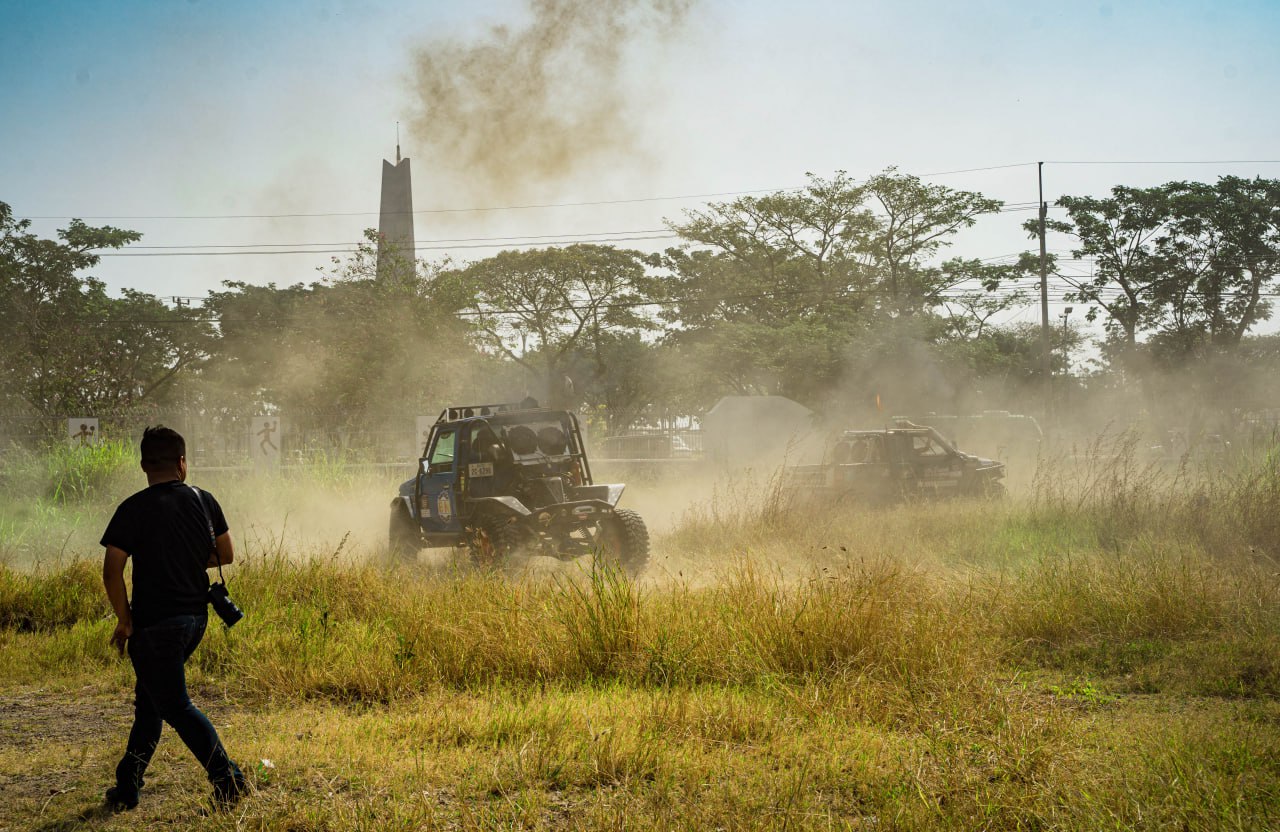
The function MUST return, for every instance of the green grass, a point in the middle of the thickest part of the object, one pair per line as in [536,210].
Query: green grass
[67,475]
[1048,662]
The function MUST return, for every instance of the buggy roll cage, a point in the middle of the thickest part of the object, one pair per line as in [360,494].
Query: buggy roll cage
[479,412]
[470,411]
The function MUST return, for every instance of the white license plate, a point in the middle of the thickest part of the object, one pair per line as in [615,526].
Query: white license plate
[480,469]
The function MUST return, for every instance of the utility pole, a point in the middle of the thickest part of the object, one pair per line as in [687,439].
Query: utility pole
[1046,335]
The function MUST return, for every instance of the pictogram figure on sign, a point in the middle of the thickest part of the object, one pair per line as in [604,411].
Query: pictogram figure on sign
[82,432]
[264,436]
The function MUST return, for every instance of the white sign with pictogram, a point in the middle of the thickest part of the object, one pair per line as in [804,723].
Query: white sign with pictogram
[264,440]
[424,433]
[82,432]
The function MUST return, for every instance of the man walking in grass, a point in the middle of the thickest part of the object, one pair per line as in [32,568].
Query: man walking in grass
[165,528]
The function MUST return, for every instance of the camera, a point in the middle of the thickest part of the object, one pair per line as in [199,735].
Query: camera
[223,605]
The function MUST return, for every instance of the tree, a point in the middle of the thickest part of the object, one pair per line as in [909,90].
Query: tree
[1180,266]
[538,307]
[67,347]
[775,291]
[352,352]
[914,221]
[620,379]
[1225,254]
[995,290]
[1124,237]
[773,260]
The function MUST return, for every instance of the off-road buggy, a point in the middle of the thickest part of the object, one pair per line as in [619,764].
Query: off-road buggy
[502,480]
[905,461]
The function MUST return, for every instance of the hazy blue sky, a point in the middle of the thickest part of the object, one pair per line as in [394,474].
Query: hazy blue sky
[120,111]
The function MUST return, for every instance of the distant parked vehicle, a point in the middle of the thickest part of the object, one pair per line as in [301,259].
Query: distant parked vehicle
[900,462]
[645,446]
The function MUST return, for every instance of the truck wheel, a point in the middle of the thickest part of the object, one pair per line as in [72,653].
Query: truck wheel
[403,537]
[988,490]
[623,541]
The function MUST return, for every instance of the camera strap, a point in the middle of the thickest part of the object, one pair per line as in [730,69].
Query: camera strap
[213,539]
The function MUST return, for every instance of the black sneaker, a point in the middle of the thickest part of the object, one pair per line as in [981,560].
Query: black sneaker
[118,800]
[228,794]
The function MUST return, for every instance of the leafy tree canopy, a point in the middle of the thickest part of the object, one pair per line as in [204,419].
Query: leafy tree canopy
[537,307]
[66,346]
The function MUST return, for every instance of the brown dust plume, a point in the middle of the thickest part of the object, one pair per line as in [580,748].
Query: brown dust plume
[526,107]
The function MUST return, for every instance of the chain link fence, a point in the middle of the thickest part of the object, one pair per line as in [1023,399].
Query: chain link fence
[243,440]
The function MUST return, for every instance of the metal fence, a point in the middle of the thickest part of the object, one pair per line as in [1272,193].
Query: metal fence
[222,440]
[225,440]
[652,443]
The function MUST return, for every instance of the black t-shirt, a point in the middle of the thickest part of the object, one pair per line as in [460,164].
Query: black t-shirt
[163,529]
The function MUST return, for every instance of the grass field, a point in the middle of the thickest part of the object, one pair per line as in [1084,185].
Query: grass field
[1101,652]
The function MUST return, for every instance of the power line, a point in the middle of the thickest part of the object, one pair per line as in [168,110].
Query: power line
[1159,162]
[974,170]
[1057,293]
[635,200]
[354,250]
[416,242]
[514,241]
[478,209]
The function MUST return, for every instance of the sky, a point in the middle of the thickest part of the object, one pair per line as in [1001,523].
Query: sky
[201,123]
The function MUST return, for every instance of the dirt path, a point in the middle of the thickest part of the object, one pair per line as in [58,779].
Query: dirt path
[57,752]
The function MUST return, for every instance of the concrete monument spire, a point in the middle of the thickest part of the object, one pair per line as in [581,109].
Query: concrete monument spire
[395,223]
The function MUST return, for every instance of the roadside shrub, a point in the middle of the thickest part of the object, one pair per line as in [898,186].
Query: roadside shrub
[65,474]
[44,601]
[1255,497]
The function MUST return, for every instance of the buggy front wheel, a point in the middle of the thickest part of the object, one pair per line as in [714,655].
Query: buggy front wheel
[496,543]
[623,541]
[403,536]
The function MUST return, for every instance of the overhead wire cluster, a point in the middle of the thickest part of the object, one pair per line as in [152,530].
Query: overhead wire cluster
[488,208]
[523,241]
[1059,293]
[635,200]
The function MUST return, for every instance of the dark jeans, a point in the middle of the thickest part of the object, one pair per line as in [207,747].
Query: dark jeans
[158,653]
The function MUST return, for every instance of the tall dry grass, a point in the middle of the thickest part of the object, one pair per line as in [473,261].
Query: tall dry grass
[362,633]
[955,665]
[1113,566]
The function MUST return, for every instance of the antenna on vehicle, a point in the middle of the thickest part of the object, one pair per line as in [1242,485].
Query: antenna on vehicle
[397,142]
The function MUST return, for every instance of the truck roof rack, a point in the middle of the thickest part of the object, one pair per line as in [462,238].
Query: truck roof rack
[469,411]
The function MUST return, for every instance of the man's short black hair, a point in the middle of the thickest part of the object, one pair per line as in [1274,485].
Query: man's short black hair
[162,447]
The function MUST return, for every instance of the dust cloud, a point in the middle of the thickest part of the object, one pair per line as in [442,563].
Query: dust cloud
[524,108]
